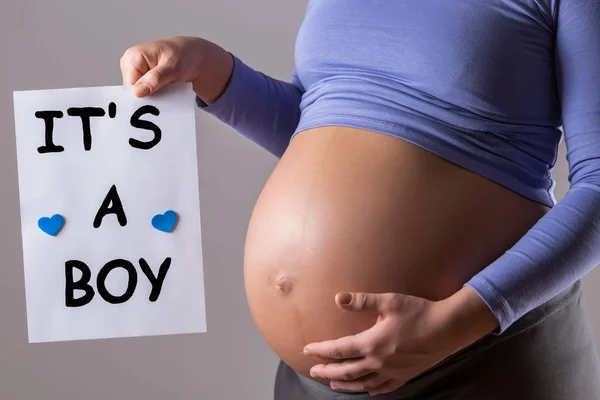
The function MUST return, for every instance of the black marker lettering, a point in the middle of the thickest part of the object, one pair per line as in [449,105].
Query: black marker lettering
[111,205]
[131,282]
[82,284]
[157,281]
[141,124]
[86,113]
[48,117]
[112,110]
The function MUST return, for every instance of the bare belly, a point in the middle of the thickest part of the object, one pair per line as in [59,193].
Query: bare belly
[353,210]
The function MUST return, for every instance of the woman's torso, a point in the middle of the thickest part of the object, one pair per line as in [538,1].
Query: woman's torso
[352,209]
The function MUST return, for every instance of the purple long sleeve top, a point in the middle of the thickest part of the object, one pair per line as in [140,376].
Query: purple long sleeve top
[484,84]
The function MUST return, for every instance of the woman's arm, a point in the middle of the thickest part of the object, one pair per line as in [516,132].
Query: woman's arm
[564,244]
[263,109]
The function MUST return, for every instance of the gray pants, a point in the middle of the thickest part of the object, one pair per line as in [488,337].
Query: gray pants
[548,354]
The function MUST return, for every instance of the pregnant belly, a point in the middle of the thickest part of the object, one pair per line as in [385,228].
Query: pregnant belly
[353,210]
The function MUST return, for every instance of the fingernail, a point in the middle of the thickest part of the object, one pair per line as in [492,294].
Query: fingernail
[345,298]
[312,374]
[142,89]
[307,349]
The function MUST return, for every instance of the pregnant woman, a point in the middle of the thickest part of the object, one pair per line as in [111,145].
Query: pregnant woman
[408,244]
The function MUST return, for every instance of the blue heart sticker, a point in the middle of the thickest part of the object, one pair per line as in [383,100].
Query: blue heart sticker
[51,225]
[165,222]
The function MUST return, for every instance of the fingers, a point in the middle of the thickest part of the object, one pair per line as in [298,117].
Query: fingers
[368,302]
[346,370]
[346,347]
[153,80]
[363,302]
[133,65]
[366,383]
[148,69]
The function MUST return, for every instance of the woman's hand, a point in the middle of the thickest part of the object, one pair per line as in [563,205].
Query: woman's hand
[411,335]
[152,65]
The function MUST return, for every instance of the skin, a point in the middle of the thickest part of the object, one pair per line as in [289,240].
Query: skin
[152,65]
[385,356]
[410,312]
[349,210]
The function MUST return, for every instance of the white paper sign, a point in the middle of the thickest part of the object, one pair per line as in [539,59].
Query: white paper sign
[110,213]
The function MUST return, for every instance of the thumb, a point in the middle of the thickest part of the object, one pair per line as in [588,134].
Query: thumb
[153,80]
[370,302]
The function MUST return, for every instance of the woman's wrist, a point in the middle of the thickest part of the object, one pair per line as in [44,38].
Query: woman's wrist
[216,74]
[468,317]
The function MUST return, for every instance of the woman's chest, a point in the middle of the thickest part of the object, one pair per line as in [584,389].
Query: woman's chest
[495,55]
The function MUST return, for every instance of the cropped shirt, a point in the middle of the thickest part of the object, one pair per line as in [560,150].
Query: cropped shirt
[486,85]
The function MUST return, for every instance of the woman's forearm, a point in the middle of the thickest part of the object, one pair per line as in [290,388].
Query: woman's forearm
[216,73]
[468,317]
[261,108]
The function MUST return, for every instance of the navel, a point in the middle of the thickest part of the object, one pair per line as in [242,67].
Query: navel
[284,284]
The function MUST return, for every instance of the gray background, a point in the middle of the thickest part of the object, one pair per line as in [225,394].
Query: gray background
[61,43]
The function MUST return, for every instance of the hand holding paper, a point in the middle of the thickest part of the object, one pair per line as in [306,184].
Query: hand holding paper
[152,65]
[97,167]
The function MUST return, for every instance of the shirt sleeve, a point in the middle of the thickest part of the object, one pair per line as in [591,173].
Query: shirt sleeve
[261,108]
[564,244]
